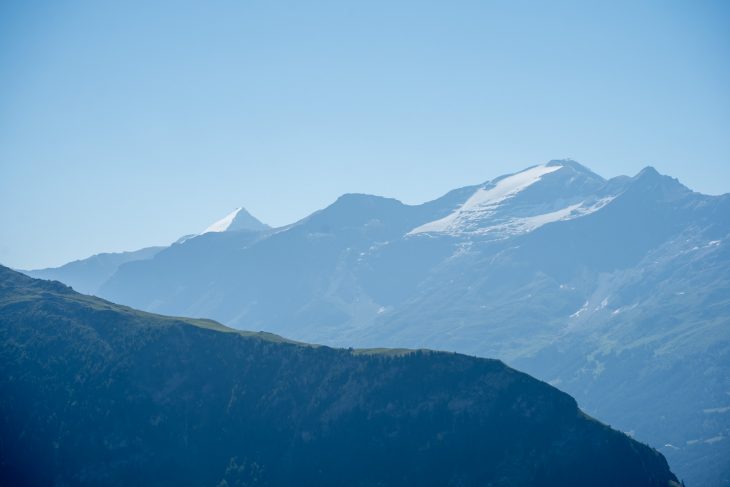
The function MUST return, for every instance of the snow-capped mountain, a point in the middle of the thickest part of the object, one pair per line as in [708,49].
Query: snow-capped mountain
[87,275]
[238,219]
[617,291]
[515,204]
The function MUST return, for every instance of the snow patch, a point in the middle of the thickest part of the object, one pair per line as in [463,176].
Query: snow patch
[225,222]
[709,441]
[716,410]
[527,224]
[483,213]
[484,201]
[580,311]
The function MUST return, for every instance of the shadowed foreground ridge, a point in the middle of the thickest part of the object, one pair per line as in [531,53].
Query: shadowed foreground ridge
[93,393]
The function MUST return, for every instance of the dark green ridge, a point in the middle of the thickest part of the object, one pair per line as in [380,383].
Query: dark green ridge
[92,393]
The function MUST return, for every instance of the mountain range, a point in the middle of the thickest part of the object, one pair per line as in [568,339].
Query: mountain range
[616,291]
[95,393]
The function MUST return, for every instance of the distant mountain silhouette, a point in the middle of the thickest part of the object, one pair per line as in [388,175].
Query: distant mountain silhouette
[87,275]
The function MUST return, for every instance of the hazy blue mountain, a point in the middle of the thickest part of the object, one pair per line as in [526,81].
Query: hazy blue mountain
[99,394]
[615,289]
[86,275]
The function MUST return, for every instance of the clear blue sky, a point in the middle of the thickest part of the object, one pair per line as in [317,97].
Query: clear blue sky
[126,124]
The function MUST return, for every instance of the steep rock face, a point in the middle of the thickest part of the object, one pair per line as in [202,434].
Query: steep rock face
[99,394]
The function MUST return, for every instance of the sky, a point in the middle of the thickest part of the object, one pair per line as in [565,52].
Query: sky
[129,124]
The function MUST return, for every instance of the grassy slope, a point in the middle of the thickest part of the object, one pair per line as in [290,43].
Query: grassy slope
[99,394]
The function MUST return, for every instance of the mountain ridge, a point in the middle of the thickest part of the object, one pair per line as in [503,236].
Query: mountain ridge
[539,293]
[100,394]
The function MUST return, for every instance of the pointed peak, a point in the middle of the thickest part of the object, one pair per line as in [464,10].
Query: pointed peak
[649,177]
[238,219]
[224,223]
[648,171]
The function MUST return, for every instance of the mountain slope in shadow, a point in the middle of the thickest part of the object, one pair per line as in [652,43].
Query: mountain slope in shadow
[99,394]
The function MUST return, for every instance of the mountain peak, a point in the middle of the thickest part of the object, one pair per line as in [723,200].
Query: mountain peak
[649,177]
[521,202]
[238,219]
[358,208]
[648,172]
[568,163]
[574,167]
